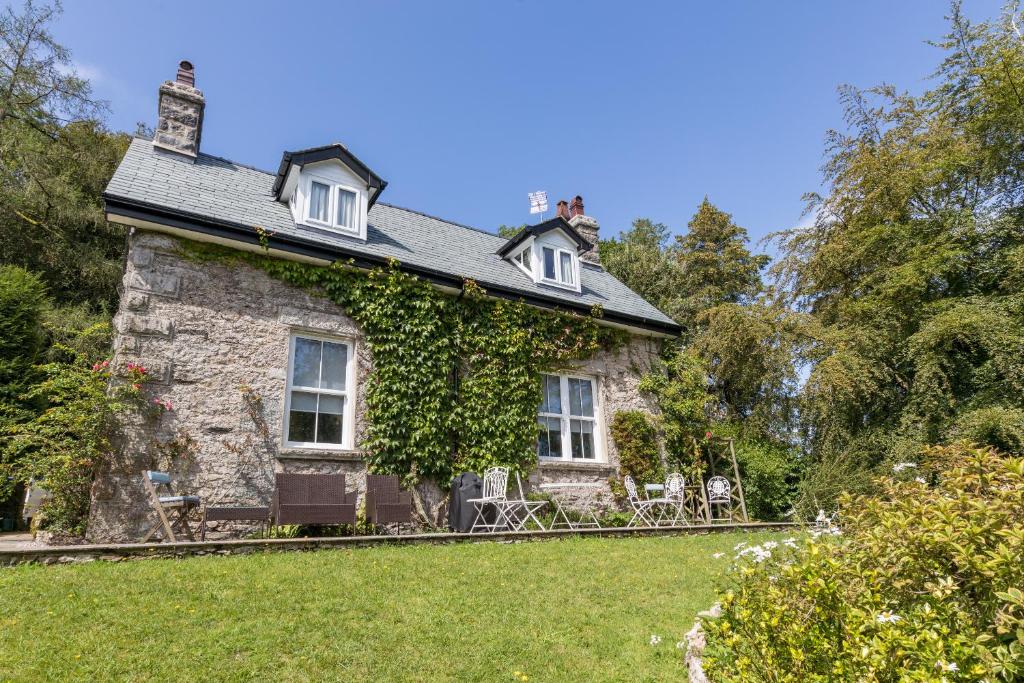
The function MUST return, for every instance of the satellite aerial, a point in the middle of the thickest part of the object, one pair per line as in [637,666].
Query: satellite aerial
[538,201]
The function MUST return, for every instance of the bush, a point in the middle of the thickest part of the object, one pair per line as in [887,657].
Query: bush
[637,442]
[769,478]
[923,584]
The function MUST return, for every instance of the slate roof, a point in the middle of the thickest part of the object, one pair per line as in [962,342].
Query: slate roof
[217,196]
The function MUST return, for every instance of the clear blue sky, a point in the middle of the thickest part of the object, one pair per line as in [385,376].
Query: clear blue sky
[464,107]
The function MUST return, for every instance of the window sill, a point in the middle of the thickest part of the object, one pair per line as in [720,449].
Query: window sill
[324,227]
[559,285]
[335,454]
[575,465]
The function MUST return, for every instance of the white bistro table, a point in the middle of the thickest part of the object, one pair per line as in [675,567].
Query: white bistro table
[559,510]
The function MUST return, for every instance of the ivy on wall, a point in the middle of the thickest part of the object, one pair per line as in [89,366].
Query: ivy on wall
[455,383]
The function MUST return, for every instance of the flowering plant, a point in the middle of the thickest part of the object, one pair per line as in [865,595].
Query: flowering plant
[921,584]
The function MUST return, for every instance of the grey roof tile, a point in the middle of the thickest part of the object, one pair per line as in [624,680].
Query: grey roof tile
[221,190]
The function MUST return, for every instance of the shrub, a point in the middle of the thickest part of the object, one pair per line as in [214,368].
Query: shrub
[637,442]
[62,446]
[769,478]
[923,584]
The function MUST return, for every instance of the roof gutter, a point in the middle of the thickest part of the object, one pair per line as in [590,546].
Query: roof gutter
[182,220]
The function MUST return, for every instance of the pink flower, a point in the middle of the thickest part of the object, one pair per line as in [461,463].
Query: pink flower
[707,435]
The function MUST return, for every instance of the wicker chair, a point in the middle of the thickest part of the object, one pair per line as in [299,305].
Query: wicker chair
[386,502]
[312,499]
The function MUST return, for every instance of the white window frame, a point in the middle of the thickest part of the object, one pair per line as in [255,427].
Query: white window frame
[565,420]
[348,417]
[558,280]
[332,205]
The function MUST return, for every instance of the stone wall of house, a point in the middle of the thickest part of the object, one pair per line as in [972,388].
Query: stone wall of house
[215,341]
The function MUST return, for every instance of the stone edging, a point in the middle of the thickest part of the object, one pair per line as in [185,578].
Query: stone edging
[695,644]
[116,552]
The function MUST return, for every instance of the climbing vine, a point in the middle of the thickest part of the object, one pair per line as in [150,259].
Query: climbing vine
[455,382]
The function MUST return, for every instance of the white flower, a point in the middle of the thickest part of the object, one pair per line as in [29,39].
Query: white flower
[920,480]
[900,466]
[739,545]
[718,555]
[770,545]
[887,617]
[655,639]
[681,645]
[789,543]
[947,666]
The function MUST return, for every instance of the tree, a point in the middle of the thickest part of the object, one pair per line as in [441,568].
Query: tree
[715,264]
[911,273]
[55,159]
[643,258]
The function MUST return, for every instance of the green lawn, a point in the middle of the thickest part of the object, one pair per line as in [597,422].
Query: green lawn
[564,610]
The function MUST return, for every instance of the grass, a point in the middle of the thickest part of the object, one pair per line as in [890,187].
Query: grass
[567,610]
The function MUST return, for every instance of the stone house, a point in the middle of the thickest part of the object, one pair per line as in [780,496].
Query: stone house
[214,337]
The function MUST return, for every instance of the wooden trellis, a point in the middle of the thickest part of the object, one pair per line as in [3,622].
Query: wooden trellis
[720,463]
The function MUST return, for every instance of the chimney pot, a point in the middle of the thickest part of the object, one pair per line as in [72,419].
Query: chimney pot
[563,209]
[576,208]
[186,73]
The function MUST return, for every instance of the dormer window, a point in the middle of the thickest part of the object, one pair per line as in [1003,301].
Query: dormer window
[328,188]
[548,253]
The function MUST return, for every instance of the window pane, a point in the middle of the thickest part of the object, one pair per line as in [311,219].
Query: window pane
[318,198]
[302,418]
[582,438]
[328,428]
[334,366]
[552,399]
[566,261]
[524,258]
[549,263]
[346,208]
[554,433]
[587,397]
[543,442]
[333,405]
[304,401]
[575,397]
[306,368]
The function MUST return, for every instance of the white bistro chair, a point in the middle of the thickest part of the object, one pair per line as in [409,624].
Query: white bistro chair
[642,507]
[522,511]
[493,495]
[720,498]
[674,501]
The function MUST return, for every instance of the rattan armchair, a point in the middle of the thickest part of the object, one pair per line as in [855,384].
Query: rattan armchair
[312,499]
[386,502]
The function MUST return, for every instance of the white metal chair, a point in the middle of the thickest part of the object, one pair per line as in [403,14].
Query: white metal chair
[521,511]
[495,486]
[720,496]
[642,507]
[674,500]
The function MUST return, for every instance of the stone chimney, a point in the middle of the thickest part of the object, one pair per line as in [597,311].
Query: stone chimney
[562,209]
[587,227]
[179,127]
